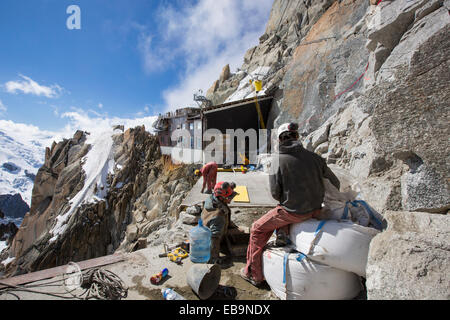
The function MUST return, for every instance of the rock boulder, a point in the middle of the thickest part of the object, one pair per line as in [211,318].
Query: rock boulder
[411,259]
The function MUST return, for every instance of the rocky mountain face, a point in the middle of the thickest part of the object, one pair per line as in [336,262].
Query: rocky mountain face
[13,205]
[368,81]
[157,210]
[7,231]
[87,194]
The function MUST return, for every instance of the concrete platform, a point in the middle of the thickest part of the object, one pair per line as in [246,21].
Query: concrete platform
[257,184]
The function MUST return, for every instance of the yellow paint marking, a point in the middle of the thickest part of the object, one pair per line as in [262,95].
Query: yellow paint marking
[243,194]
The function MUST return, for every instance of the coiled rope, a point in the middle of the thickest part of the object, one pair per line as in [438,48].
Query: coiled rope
[103,285]
[97,284]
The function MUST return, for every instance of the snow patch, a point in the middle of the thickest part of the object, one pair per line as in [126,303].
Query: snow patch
[245,90]
[24,146]
[19,160]
[8,261]
[98,163]
[3,246]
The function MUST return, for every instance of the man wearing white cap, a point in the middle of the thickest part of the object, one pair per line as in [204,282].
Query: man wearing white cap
[296,181]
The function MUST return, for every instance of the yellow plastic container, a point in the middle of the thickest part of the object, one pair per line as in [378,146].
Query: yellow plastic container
[258,85]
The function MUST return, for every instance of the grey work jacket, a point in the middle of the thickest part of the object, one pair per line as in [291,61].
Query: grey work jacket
[296,178]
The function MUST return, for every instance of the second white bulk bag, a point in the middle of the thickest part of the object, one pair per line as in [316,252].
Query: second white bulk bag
[343,245]
[291,279]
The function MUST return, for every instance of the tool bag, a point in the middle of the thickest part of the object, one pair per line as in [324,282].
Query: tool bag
[293,276]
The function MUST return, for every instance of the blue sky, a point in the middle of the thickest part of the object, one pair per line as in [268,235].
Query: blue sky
[130,60]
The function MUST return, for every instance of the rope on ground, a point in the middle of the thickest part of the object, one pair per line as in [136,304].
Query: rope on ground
[104,285]
[98,284]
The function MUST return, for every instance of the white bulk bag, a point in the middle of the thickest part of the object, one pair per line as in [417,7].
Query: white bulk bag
[305,279]
[343,245]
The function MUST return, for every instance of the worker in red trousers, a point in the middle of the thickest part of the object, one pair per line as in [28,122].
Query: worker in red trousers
[296,181]
[209,173]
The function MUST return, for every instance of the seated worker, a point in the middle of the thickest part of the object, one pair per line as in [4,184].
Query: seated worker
[216,216]
[296,181]
[209,173]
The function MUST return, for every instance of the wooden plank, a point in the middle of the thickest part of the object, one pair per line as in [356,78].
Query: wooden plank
[57,271]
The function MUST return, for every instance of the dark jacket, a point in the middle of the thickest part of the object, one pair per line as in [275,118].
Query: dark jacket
[297,178]
[215,216]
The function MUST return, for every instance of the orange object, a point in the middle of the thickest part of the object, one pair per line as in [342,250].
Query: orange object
[155,279]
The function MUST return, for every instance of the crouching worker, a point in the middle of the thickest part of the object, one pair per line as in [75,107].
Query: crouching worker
[209,173]
[296,182]
[216,216]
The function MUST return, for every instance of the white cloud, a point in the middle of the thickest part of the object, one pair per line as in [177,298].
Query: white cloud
[153,59]
[2,107]
[29,86]
[77,119]
[204,37]
[55,110]
[82,120]
[147,110]
[27,134]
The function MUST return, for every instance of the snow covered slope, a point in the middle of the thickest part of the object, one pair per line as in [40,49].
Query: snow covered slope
[22,148]
[98,163]
[20,158]
[245,89]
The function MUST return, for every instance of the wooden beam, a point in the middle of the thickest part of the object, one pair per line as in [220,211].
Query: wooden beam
[57,271]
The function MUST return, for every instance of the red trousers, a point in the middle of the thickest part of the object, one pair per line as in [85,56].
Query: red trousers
[209,173]
[261,232]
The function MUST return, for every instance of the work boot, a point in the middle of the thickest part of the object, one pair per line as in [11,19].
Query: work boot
[250,279]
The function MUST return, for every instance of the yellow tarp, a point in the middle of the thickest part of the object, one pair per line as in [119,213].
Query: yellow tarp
[243,194]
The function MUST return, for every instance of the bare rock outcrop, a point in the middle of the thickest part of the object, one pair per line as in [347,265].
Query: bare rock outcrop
[158,208]
[367,81]
[289,23]
[7,231]
[54,233]
[411,259]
